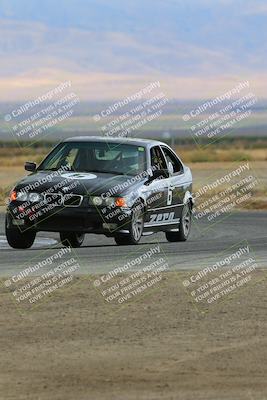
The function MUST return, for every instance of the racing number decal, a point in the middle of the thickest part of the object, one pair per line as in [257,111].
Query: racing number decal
[169,195]
[78,175]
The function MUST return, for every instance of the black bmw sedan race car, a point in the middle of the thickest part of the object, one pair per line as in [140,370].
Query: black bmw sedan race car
[122,188]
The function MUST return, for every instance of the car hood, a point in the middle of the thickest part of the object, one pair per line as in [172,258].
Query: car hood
[79,183]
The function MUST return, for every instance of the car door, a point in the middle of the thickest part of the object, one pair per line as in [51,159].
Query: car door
[158,194]
[177,183]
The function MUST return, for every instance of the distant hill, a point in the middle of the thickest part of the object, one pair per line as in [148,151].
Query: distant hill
[111,47]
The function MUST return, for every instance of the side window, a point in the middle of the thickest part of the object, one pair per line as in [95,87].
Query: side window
[170,157]
[157,158]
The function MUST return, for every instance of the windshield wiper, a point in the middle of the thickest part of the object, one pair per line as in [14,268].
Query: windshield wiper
[104,171]
[55,169]
[47,169]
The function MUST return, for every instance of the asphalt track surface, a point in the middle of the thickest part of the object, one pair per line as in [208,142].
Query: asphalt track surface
[101,255]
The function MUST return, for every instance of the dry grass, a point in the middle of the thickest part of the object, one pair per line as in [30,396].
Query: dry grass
[11,157]
[211,154]
[203,163]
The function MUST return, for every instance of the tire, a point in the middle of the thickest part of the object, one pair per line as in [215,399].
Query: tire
[72,239]
[18,239]
[184,226]
[136,227]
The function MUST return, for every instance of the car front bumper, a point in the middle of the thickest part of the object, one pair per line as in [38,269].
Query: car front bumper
[75,219]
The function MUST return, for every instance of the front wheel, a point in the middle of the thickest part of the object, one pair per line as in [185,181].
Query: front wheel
[18,239]
[135,229]
[72,239]
[184,226]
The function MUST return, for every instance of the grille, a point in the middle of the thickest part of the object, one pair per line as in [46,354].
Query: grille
[58,199]
[72,200]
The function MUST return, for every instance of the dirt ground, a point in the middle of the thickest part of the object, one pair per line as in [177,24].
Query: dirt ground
[75,346]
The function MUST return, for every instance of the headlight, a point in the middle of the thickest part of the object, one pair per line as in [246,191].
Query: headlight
[96,200]
[22,196]
[110,201]
[35,197]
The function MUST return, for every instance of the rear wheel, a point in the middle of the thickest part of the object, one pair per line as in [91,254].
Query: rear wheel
[184,226]
[18,239]
[135,229]
[72,239]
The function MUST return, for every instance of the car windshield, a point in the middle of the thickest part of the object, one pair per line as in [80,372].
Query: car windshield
[112,158]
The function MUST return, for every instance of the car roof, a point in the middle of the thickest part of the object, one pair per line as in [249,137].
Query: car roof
[133,141]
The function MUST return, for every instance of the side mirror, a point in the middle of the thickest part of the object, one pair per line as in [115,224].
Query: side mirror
[30,166]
